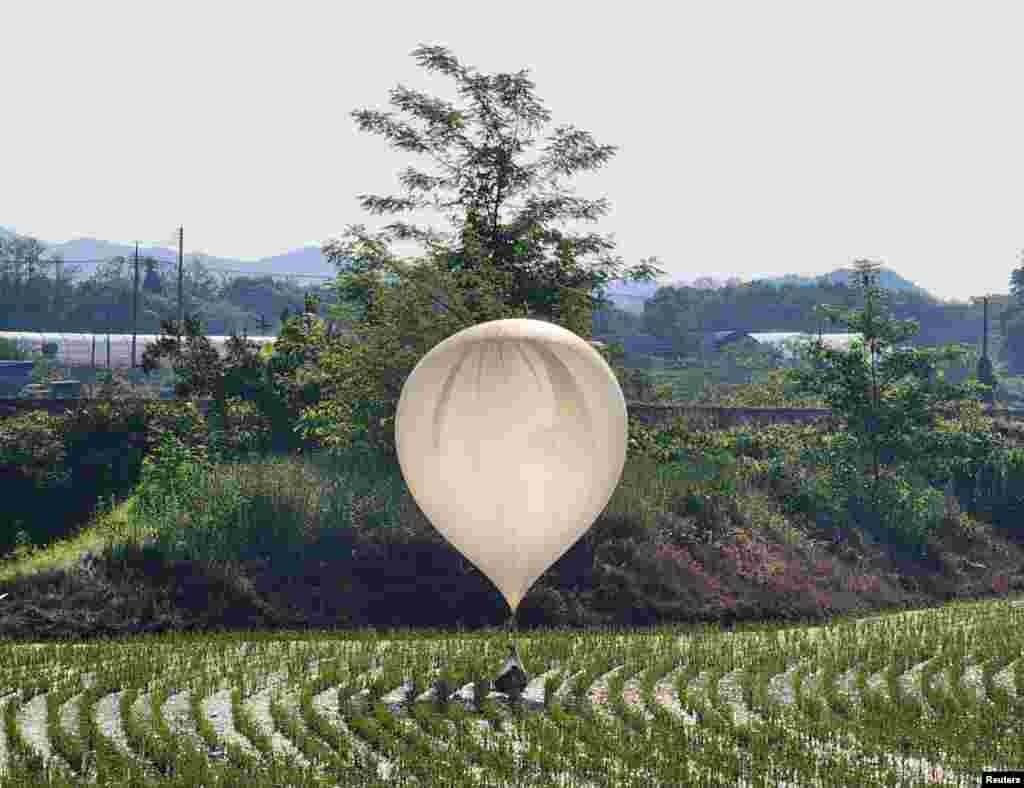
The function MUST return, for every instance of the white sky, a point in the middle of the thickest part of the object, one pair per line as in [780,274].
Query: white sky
[754,137]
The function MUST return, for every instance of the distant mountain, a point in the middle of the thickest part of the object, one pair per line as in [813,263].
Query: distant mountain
[631,296]
[96,249]
[307,260]
[887,280]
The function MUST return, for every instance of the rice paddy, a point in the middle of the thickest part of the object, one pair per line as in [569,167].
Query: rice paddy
[930,697]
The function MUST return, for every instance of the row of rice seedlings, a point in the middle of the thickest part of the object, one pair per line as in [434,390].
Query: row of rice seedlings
[634,751]
[962,714]
[24,762]
[309,743]
[767,661]
[716,716]
[816,713]
[545,748]
[165,754]
[340,759]
[369,730]
[637,728]
[913,656]
[448,757]
[765,742]
[172,755]
[408,749]
[840,706]
[112,767]
[203,688]
[189,764]
[717,753]
[716,740]
[495,754]
[884,721]
[948,710]
[842,717]
[999,722]
[277,768]
[588,744]
[66,745]
[925,680]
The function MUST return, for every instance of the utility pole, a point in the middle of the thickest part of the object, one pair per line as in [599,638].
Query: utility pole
[984,341]
[56,284]
[985,372]
[181,302]
[135,304]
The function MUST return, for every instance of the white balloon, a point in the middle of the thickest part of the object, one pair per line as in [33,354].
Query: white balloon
[511,436]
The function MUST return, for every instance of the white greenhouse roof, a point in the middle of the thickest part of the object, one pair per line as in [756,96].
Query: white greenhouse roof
[834,341]
[76,349]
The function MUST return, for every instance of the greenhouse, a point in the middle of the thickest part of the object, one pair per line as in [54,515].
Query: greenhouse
[83,350]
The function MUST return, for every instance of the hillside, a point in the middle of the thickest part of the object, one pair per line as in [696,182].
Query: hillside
[887,279]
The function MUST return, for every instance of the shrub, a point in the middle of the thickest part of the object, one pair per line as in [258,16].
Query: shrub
[12,350]
[56,469]
[172,471]
[998,488]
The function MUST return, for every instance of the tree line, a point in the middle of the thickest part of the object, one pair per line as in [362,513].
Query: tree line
[44,295]
[684,315]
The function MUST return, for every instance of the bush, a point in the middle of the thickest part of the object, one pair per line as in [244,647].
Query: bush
[998,489]
[56,469]
[12,350]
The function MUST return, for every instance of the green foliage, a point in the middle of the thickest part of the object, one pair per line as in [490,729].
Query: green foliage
[194,360]
[58,468]
[886,405]
[986,376]
[33,299]
[683,314]
[172,470]
[244,374]
[12,350]
[361,379]
[492,269]
[175,480]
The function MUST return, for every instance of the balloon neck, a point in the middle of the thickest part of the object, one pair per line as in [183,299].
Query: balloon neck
[510,627]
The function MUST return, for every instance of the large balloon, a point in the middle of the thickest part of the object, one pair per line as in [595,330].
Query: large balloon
[512,435]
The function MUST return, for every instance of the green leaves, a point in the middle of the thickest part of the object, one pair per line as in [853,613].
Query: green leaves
[885,395]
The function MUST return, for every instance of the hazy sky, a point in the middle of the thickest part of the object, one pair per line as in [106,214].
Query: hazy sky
[754,137]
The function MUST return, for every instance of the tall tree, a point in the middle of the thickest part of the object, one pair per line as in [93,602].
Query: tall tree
[494,266]
[21,268]
[541,263]
[886,402]
[202,285]
[1011,322]
[151,282]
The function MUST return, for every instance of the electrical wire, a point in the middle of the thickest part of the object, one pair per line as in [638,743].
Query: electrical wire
[208,268]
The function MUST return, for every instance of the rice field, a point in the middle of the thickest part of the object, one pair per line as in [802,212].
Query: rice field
[929,697]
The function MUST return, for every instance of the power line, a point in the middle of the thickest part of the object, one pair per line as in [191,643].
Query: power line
[160,260]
